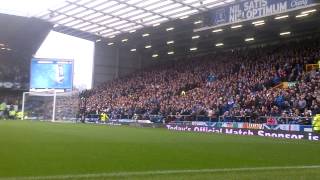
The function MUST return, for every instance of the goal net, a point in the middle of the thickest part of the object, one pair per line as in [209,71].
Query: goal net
[50,105]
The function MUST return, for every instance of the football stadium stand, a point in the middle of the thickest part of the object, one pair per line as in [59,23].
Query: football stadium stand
[234,85]
[181,89]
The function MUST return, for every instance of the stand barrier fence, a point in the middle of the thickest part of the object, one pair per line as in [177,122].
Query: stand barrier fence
[270,120]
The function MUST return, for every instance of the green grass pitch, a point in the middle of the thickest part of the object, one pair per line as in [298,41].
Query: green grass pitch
[39,150]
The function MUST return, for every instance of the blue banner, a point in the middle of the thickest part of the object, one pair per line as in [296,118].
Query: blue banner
[253,9]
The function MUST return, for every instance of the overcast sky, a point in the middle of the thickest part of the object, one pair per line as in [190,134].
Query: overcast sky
[27,7]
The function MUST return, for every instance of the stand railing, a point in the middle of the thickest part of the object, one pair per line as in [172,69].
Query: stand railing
[310,67]
[270,120]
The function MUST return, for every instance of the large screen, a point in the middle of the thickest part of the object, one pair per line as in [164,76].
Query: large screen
[51,74]
[80,50]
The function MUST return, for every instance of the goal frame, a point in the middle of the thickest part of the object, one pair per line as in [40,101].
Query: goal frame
[52,93]
[53,104]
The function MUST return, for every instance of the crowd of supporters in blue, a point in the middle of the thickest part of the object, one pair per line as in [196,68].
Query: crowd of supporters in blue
[14,72]
[14,77]
[237,83]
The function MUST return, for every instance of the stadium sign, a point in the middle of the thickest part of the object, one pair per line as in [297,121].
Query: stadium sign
[241,125]
[247,132]
[253,9]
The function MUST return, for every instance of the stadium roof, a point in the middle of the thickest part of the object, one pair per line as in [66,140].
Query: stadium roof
[20,34]
[94,19]
[183,40]
[108,18]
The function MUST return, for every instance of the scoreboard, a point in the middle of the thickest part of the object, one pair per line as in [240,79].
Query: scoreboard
[51,74]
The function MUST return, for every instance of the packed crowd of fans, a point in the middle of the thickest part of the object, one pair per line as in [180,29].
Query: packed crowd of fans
[14,72]
[233,83]
[8,102]
[67,106]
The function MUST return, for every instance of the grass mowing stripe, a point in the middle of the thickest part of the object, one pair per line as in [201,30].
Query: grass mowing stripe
[76,151]
[162,172]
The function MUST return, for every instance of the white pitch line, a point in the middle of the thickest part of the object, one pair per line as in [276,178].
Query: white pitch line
[160,172]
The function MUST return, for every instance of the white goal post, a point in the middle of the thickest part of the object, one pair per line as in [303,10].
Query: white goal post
[50,105]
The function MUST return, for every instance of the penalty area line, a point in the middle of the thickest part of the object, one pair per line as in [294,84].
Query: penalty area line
[159,172]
